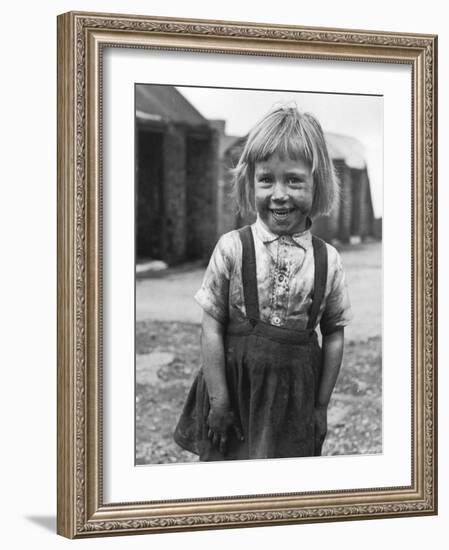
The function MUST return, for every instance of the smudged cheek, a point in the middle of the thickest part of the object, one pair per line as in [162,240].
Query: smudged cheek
[262,203]
[303,200]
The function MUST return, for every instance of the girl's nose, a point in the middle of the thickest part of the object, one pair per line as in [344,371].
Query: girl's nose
[279,192]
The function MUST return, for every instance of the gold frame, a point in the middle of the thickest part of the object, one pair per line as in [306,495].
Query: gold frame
[81,37]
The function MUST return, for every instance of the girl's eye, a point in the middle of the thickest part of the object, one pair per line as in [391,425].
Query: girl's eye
[265,179]
[294,181]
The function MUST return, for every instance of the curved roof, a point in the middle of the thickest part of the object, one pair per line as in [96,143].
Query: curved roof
[346,148]
[165,103]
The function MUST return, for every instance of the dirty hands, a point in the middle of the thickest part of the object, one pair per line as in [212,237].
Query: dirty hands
[223,424]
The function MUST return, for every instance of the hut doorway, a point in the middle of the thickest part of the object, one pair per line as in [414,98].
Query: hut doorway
[150,212]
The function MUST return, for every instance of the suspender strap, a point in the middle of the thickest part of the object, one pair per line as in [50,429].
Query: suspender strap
[320,278]
[249,275]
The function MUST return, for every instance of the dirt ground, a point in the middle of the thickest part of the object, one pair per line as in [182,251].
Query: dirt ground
[167,347]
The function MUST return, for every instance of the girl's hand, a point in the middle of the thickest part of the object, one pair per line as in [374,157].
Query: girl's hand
[320,428]
[222,422]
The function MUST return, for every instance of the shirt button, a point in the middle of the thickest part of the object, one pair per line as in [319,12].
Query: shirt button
[280,278]
[276,320]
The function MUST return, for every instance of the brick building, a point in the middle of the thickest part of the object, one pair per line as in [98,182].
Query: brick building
[176,176]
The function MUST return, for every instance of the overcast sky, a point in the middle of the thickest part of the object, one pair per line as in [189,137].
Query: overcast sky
[360,117]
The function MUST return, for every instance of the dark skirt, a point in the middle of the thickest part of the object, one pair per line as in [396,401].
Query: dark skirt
[272,375]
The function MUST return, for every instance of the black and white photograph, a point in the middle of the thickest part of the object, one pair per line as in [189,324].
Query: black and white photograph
[258,274]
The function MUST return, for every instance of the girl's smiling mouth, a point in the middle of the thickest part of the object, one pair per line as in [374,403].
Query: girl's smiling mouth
[281,214]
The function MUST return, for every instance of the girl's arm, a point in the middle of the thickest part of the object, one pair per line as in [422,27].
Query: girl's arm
[212,348]
[221,419]
[332,357]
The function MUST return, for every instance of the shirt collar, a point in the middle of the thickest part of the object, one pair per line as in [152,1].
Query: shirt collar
[303,239]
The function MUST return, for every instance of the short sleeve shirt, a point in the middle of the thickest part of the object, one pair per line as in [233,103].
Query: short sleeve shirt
[285,278]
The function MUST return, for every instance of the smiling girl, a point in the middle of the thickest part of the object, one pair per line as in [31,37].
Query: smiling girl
[264,385]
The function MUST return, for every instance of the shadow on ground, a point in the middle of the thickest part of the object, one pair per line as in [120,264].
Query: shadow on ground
[46,522]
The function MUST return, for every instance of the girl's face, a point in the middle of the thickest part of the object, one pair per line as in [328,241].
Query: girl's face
[283,190]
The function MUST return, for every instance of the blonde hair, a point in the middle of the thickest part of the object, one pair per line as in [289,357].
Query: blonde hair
[294,135]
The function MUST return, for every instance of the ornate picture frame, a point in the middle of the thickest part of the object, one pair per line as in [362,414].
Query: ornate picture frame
[82,41]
